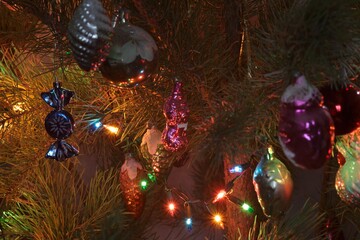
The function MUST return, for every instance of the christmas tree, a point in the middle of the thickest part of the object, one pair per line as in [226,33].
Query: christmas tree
[171,119]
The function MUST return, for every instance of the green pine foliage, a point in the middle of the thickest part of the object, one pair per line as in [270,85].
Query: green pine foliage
[235,59]
[54,203]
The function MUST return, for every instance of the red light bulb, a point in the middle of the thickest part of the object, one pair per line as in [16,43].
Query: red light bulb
[171,208]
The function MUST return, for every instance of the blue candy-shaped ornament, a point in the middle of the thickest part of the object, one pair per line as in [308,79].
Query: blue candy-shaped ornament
[59,124]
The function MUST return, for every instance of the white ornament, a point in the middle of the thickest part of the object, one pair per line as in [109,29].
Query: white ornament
[131,166]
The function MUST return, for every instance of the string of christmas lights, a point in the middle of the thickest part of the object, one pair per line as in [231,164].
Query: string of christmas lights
[172,206]
[174,196]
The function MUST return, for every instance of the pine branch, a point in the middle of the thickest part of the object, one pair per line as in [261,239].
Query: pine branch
[308,36]
[55,204]
[306,225]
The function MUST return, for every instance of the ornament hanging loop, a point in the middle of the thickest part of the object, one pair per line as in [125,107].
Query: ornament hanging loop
[56,80]
[121,16]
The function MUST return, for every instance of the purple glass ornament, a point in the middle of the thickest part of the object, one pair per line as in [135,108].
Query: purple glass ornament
[176,112]
[306,129]
[174,137]
[343,105]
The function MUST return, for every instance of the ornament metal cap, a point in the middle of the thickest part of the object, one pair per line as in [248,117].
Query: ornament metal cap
[295,75]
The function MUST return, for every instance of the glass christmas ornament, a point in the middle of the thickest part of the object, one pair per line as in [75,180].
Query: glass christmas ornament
[347,181]
[306,130]
[174,138]
[57,97]
[341,159]
[89,32]
[59,123]
[273,185]
[133,55]
[150,141]
[154,152]
[343,105]
[161,162]
[61,150]
[131,176]
[176,112]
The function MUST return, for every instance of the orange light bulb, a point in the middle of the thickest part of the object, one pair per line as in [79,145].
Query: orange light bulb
[219,196]
[218,219]
[171,206]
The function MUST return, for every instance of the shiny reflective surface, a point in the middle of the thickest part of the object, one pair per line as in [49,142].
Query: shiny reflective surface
[273,185]
[59,124]
[130,177]
[176,112]
[306,129]
[57,97]
[174,138]
[89,32]
[133,55]
[344,106]
[347,182]
[60,150]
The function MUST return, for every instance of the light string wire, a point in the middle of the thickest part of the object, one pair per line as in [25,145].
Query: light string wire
[173,192]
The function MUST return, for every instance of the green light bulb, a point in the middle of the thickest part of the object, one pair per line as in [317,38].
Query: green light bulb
[247,207]
[143,184]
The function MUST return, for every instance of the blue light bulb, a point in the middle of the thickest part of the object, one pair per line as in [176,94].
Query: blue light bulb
[236,169]
[188,223]
[97,124]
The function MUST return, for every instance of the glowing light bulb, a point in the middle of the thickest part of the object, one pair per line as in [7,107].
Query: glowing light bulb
[171,208]
[97,125]
[188,222]
[236,169]
[143,184]
[239,168]
[247,207]
[217,218]
[112,129]
[219,196]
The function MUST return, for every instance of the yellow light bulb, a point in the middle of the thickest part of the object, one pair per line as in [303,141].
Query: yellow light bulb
[112,129]
[217,218]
